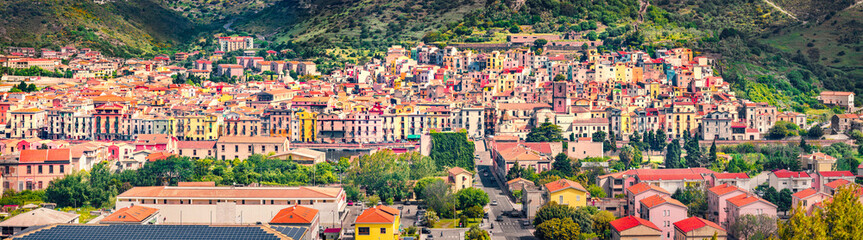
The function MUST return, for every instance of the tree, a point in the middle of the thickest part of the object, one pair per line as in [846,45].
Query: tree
[694,157]
[475,233]
[694,198]
[419,186]
[784,200]
[596,191]
[547,132]
[516,171]
[557,229]
[438,198]
[470,197]
[514,29]
[474,212]
[712,153]
[754,227]
[659,139]
[599,136]
[844,215]
[602,222]
[552,210]
[778,131]
[421,166]
[803,227]
[847,163]
[431,217]
[626,155]
[815,132]
[68,191]
[562,164]
[803,146]
[672,155]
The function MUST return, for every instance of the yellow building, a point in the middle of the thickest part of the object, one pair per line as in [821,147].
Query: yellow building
[460,178]
[305,124]
[198,128]
[505,82]
[683,117]
[566,192]
[494,61]
[378,223]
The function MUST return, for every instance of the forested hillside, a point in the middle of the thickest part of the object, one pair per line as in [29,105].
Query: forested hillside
[122,28]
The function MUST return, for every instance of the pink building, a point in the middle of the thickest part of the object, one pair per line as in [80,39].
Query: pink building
[157,142]
[748,204]
[35,169]
[807,198]
[637,192]
[716,202]
[663,211]
[819,179]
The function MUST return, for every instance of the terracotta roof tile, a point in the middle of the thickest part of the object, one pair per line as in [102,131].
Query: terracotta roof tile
[295,215]
[628,222]
[564,184]
[692,223]
[136,213]
[657,200]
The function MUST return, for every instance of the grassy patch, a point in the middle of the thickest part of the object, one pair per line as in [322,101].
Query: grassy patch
[453,223]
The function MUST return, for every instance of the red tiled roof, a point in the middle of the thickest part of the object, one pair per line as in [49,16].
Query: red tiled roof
[723,189]
[657,200]
[690,224]
[295,214]
[805,193]
[44,155]
[196,144]
[158,156]
[628,222]
[563,184]
[136,213]
[232,192]
[378,214]
[643,187]
[746,199]
[837,183]
[789,174]
[836,174]
[731,176]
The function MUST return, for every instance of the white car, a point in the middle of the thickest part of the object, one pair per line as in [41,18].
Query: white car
[494,203]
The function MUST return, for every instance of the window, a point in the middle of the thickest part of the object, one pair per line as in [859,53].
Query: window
[363,231]
[560,199]
[39,169]
[383,230]
[29,169]
[61,168]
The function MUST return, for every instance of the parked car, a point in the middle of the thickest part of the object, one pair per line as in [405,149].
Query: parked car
[350,203]
[526,223]
[485,215]
[425,231]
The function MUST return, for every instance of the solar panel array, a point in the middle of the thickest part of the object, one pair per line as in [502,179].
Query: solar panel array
[292,232]
[151,232]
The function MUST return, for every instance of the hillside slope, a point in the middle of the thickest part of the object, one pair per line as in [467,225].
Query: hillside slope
[354,21]
[121,28]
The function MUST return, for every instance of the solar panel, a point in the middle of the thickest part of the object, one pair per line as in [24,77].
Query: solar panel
[157,232]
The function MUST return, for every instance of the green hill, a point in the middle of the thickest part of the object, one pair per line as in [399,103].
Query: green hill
[121,28]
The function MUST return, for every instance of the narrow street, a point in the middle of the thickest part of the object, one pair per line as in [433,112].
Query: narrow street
[510,228]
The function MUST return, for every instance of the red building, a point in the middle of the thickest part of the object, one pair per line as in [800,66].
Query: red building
[108,122]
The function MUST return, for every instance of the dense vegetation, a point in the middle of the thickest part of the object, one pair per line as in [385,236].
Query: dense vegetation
[452,149]
[119,28]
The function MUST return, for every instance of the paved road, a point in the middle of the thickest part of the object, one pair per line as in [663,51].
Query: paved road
[509,228]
